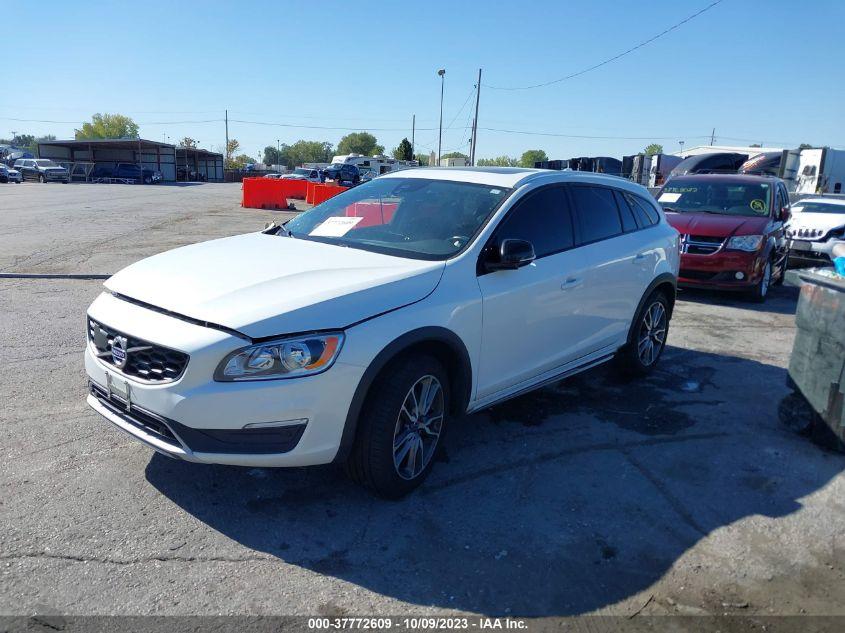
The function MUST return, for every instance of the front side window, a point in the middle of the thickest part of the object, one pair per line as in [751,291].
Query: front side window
[45,163]
[542,218]
[407,217]
[714,195]
[597,212]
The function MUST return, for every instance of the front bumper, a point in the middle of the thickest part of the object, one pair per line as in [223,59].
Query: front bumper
[55,176]
[816,252]
[199,420]
[719,270]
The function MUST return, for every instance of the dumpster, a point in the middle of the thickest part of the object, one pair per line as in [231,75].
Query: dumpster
[817,364]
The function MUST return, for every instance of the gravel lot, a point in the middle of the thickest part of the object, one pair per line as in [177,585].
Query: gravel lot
[682,493]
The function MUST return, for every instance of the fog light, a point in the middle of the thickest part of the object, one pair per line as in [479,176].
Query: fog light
[740,276]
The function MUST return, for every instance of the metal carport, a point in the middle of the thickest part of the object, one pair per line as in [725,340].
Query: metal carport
[80,156]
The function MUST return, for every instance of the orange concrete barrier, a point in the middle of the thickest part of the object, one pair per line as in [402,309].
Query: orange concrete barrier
[294,188]
[324,192]
[372,213]
[263,193]
[309,191]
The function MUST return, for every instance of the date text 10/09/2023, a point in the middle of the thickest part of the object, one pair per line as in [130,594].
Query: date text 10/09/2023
[416,623]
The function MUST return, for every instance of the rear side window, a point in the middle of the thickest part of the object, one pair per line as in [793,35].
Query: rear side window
[628,222]
[542,218]
[646,214]
[597,211]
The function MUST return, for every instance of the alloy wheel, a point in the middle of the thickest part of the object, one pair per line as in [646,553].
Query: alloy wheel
[767,279]
[652,334]
[418,427]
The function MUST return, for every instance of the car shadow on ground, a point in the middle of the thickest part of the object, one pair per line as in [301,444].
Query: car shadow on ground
[560,502]
[781,299]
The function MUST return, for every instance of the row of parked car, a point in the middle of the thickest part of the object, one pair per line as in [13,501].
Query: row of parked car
[344,174]
[45,170]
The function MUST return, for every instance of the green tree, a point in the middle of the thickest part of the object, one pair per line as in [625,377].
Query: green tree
[23,140]
[108,126]
[454,155]
[307,152]
[231,148]
[360,143]
[531,156]
[654,148]
[404,151]
[242,160]
[272,155]
[499,161]
[422,159]
[805,146]
[188,143]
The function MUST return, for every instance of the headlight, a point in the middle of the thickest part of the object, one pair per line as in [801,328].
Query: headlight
[745,242]
[282,358]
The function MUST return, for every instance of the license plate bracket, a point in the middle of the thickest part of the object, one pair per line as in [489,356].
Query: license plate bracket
[120,389]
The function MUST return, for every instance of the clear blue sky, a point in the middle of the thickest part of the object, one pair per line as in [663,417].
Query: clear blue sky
[767,71]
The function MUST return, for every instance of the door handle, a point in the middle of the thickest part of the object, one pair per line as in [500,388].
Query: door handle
[571,282]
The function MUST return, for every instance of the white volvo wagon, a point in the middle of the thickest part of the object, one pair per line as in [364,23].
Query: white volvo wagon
[358,331]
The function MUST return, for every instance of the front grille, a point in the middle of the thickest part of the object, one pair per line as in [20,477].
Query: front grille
[700,244]
[144,360]
[144,420]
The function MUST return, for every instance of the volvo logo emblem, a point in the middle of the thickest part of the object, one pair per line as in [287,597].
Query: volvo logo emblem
[118,351]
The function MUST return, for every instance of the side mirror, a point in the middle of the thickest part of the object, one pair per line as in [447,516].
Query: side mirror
[512,254]
[784,213]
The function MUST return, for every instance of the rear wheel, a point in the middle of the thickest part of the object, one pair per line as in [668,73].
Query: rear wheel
[42,179]
[647,338]
[401,427]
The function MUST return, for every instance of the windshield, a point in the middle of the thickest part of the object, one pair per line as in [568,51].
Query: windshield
[45,163]
[408,217]
[302,172]
[819,207]
[682,195]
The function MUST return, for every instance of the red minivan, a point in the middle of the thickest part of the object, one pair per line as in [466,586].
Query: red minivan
[731,227]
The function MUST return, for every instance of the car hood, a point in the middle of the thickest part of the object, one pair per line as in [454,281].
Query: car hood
[823,221]
[266,285]
[713,225]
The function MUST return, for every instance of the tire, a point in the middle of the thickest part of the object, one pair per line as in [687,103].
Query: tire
[647,338]
[148,181]
[42,179]
[389,435]
[759,292]
[784,266]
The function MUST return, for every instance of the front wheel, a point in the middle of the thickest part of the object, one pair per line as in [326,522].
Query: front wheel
[42,179]
[647,337]
[401,427]
[759,292]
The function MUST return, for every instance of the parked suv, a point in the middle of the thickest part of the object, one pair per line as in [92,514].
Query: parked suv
[817,225]
[358,331]
[343,173]
[42,170]
[732,230]
[304,173]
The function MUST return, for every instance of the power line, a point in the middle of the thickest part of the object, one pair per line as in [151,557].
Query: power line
[611,59]
[586,136]
[323,127]
[466,101]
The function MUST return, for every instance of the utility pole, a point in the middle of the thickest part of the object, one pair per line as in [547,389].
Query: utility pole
[712,137]
[226,149]
[442,73]
[475,121]
[413,131]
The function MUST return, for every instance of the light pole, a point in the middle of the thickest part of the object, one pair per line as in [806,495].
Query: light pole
[681,143]
[278,157]
[442,73]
